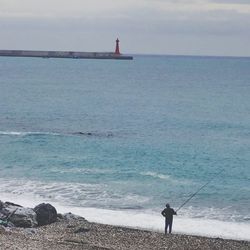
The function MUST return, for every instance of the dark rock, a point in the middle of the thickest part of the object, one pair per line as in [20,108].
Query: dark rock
[3,223]
[70,216]
[1,205]
[22,217]
[5,212]
[13,214]
[10,224]
[7,203]
[60,216]
[46,214]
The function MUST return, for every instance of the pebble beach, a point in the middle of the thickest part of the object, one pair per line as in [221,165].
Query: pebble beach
[78,233]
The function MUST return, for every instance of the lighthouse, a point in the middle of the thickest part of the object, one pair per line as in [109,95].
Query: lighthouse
[117,48]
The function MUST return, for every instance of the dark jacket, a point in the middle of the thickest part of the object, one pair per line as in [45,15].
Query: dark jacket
[168,213]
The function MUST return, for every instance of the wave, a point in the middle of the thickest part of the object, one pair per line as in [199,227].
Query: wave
[212,213]
[87,134]
[156,175]
[15,133]
[75,170]
[74,194]
[166,177]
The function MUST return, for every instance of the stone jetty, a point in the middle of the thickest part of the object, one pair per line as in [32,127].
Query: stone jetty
[65,54]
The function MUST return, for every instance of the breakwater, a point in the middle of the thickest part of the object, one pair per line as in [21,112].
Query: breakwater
[65,54]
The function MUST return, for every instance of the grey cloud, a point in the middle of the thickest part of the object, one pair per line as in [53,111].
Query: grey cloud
[220,23]
[146,30]
[231,1]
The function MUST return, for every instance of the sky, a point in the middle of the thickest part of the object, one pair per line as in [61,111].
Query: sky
[175,27]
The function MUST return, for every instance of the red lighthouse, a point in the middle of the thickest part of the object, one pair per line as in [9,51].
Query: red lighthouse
[117,48]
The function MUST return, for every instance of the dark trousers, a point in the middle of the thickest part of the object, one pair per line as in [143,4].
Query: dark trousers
[168,224]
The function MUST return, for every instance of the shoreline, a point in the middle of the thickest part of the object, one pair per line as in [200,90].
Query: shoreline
[143,220]
[77,233]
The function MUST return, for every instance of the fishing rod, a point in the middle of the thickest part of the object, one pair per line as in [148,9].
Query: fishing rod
[197,191]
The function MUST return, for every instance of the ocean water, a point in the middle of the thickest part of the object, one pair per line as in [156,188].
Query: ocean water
[114,141]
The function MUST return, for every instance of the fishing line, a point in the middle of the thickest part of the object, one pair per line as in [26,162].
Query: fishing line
[198,191]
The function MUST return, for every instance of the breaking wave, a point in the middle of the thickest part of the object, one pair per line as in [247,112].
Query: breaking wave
[86,134]
[73,194]
[15,133]
[166,177]
[156,175]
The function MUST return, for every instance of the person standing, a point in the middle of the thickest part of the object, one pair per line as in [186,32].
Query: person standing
[168,213]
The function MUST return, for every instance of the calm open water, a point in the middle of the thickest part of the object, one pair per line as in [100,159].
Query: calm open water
[115,140]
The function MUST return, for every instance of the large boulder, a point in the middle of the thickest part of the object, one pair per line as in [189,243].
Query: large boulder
[15,215]
[22,217]
[46,214]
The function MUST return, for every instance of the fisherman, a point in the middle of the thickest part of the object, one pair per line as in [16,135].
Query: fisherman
[168,213]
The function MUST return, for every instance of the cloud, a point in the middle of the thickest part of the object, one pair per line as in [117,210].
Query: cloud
[231,1]
[144,26]
[100,8]
[65,8]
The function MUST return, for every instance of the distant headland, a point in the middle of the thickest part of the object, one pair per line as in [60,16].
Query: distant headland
[68,54]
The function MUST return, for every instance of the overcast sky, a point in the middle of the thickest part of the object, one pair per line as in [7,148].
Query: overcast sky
[188,27]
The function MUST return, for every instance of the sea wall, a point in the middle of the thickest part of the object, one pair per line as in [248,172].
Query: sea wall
[64,54]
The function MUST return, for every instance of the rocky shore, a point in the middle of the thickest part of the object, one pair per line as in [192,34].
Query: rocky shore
[45,229]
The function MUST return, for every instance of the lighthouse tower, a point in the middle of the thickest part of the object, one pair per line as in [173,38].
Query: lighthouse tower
[117,48]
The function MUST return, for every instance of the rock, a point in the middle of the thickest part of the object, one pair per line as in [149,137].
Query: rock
[2,216]
[23,217]
[1,205]
[46,214]
[13,214]
[30,231]
[7,203]
[70,216]
[2,229]
[10,224]
[59,216]
[3,223]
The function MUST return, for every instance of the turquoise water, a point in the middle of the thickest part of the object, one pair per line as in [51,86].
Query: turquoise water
[125,137]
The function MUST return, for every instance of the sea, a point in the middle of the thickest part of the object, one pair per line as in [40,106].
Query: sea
[114,141]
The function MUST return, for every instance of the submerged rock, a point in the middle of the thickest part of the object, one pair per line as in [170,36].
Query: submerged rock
[46,214]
